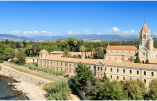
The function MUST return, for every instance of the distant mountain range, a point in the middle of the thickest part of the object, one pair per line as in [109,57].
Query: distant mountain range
[105,37]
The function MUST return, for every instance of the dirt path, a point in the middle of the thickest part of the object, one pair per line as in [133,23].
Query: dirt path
[27,74]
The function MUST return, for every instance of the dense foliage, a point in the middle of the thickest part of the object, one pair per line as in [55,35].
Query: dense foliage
[44,69]
[112,90]
[57,91]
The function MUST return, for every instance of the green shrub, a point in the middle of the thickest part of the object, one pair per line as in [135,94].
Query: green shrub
[57,91]
[1,61]
[44,69]
[137,60]
[147,61]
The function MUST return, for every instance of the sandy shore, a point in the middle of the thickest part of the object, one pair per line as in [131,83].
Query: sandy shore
[32,91]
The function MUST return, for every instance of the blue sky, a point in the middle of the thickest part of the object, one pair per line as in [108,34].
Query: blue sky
[50,18]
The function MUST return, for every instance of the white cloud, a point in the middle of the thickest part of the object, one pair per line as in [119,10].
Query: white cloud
[155,33]
[88,31]
[46,32]
[76,32]
[126,32]
[132,31]
[70,32]
[29,32]
[114,30]
[13,32]
[98,33]
[109,30]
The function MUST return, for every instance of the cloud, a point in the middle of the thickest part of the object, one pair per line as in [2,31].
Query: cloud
[132,31]
[46,32]
[13,32]
[30,32]
[155,33]
[88,31]
[126,32]
[76,32]
[98,33]
[0,27]
[70,32]
[114,30]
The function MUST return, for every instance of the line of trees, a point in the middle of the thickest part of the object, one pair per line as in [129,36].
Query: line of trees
[104,89]
[8,49]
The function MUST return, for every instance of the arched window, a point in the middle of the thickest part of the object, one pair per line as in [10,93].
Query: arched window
[117,70]
[105,68]
[101,68]
[61,64]
[137,72]
[115,58]
[123,78]
[123,70]
[144,36]
[110,76]
[51,63]
[109,58]
[111,69]
[117,77]
[144,80]
[152,73]
[98,68]
[130,71]
[70,65]
[145,73]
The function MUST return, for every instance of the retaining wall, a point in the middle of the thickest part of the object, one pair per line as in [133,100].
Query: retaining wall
[50,76]
[24,77]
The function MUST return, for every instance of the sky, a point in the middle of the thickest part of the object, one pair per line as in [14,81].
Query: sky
[51,18]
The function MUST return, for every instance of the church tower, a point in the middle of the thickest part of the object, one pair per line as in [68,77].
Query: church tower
[146,43]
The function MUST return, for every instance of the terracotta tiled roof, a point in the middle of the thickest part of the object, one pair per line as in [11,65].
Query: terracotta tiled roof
[144,28]
[66,74]
[123,47]
[32,57]
[126,54]
[133,65]
[154,48]
[73,60]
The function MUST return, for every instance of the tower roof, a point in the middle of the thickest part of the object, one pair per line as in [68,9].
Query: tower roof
[144,28]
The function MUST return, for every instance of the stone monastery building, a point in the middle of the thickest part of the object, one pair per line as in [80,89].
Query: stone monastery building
[113,69]
[145,49]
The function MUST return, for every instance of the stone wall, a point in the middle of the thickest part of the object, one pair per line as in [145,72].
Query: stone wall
[18,75]
[50,76]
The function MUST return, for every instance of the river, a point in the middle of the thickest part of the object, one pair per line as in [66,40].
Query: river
[6,93]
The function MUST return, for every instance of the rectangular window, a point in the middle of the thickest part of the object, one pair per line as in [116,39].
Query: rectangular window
[110,76]
[105,68]
[137,72]
[130,71]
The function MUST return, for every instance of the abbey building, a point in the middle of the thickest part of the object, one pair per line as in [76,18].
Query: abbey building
[144,51]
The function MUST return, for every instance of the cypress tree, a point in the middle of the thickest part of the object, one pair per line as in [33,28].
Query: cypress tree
[137,60]
[147,61]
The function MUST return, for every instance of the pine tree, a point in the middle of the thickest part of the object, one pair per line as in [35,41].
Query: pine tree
[137,60]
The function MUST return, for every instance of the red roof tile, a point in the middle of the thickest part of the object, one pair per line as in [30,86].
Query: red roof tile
[66,74]
[123,47]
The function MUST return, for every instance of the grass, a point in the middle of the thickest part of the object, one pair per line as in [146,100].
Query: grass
[20,70]
[44,69]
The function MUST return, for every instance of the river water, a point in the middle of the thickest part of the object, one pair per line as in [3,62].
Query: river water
[6,93]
